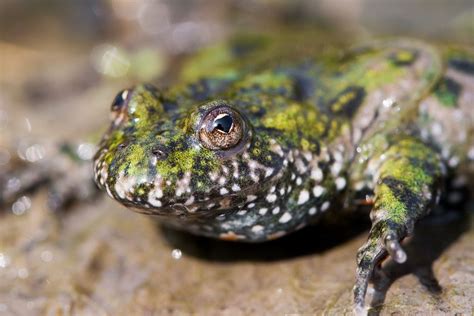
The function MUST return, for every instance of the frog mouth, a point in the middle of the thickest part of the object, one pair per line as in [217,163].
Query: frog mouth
[211,207]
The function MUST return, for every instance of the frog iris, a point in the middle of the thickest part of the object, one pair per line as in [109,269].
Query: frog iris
[221,128]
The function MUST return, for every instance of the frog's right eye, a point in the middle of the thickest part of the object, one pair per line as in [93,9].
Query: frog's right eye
[120,100]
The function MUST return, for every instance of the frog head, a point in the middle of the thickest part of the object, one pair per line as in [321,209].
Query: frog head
[166,157]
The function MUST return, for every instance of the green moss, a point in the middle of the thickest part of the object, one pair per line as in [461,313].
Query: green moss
[135,159]
[194,160]
[297,120]
[388,201]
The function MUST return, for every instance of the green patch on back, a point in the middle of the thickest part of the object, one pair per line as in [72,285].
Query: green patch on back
[447,91]
[403,57]
[301,123]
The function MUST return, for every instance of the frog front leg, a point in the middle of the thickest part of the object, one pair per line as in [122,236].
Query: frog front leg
[65,171]
[407,178]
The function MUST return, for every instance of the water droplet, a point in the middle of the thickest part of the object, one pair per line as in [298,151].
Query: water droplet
[4,260]
[21,205]
[23,273]
[46,256]
[35,152]
[110,60]
[176,254]
[86,151]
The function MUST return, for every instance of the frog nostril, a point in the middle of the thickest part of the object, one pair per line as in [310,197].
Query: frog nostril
[122,146]
[159,153]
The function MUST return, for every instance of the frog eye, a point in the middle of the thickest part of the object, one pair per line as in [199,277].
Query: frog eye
[221,128]
[118,109]
[120,100]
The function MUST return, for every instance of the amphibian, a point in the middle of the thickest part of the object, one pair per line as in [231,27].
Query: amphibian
[248,146]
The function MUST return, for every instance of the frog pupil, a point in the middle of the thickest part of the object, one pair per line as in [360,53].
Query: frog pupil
[223,123]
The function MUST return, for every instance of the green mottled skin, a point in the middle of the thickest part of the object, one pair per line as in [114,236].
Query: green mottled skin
[323,127]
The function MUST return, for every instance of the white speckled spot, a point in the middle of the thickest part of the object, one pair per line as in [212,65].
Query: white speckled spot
[285,218]
[276,210]
[155,202]
[299,181]
[257,228]
[325,206]
[268,172]
[303,197]
[271,198]
[453,162]
[336,168]
[340,183]
[190,200]
[251,198]
[312,211]
[317,174]
[235,187]
[437,129]
[318,191]
[251,205]
[223,191]
[358,186]
[263,211]
[387,103]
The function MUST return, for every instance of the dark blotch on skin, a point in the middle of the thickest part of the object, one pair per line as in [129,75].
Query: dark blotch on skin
[447,91]
[355,97]
[303,88]
[462,65]
[403,194]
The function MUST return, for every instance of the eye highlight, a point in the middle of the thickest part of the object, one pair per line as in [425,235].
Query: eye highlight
[223,123]
[222,128]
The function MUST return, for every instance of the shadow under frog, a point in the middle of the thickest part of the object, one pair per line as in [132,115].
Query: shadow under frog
[432,236]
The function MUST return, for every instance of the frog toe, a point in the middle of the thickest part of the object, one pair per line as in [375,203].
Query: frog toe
[394,249]
[384,239]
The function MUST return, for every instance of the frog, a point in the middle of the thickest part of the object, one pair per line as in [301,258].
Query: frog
[258,139]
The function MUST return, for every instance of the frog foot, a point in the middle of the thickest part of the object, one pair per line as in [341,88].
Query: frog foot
[384,239]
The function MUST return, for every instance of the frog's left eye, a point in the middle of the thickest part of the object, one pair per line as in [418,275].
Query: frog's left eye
[120,100]
[118,109]
[221,128]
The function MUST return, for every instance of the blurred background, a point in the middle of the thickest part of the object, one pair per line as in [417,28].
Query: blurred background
[61,64]
[52,50]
